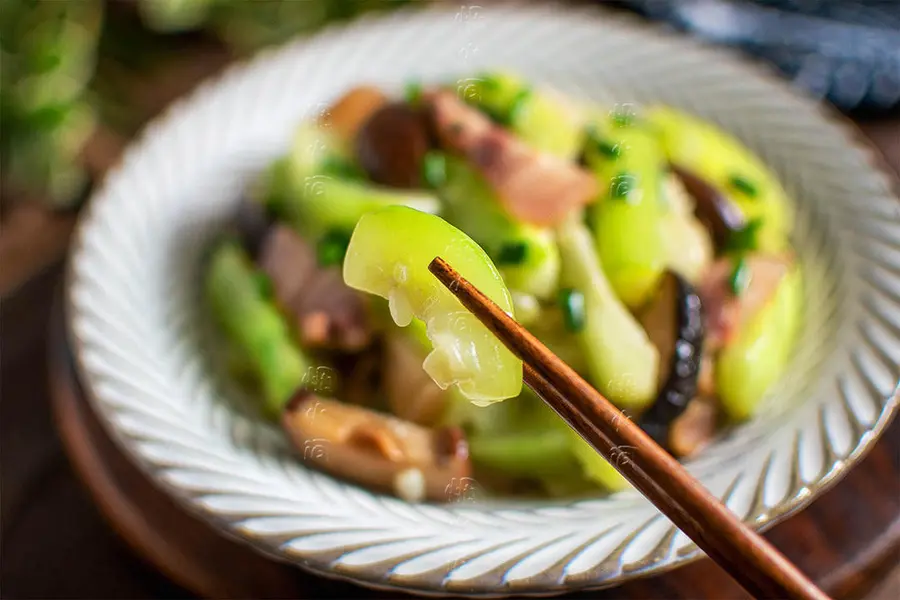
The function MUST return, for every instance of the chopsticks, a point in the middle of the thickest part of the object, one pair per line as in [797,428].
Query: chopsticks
[750,560]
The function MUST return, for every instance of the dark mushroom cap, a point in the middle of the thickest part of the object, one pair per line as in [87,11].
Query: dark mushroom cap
[391,145]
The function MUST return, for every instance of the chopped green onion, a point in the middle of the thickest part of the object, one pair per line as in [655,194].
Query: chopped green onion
[263,284]
[622,185]
[744,240]
[489,81]
[611,151]
[572,304]
[740,277]
[413,92]
[341,168]
[589,218]
[602,146]
[505,116]
[495,116]
[743,185]
[623,116]
[332,247]
[434,169]
[517,105]
[512,253]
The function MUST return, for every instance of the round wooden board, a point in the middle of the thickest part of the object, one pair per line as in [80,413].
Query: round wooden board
[847,540]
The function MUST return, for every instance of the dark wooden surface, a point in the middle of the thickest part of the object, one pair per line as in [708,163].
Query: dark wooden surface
[847,540]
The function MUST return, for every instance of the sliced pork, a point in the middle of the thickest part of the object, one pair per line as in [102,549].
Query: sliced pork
[325,312]
[727,310]
[534,187]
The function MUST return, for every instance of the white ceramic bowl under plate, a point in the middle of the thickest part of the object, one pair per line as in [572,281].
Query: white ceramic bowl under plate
[148,359]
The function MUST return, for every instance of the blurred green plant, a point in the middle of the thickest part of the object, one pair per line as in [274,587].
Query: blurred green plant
[47,58]
[50,98]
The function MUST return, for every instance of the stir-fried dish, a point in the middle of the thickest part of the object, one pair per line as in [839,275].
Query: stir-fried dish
[647,248]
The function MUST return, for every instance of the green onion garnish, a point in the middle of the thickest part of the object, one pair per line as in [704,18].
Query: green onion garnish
[622,185]
[263,284]
[434,169]
[512,253]
[332,247]
[611,151]
[413,92]
[595,141]
[623,116]
[590,215]
[740,277]
[572,304]
[341,168]
[488,81]
[746,239]
[517,105]
[743,185]
[496,117]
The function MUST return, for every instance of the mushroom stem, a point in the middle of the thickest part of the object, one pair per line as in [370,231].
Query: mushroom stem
[377,450]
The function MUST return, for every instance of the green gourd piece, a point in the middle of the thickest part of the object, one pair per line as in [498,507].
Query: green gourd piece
[628,220]
[721,159]
[621,360]
[253,326]
[388,256]
[750,364]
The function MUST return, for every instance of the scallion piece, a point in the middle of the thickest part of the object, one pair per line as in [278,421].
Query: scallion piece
[512,253]
[740,277]
[745,239]
[413,92]
[489,81]
[572,304]
[263,285]
[623,116]
[601,146]
[743,186]
[341,168]
[434,169]
[332,247]
[622,185]
[610,151]
[518,103]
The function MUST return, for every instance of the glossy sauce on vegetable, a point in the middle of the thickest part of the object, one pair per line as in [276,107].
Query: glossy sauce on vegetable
[645,246]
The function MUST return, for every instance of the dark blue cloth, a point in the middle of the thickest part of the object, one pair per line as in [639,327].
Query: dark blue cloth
[845,51]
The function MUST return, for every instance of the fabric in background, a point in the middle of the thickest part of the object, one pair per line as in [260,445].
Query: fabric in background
[844,51]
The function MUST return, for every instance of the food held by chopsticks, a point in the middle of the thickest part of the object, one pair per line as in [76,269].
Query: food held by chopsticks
[645,247]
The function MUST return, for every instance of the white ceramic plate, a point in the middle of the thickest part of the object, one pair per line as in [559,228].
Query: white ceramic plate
[148,359]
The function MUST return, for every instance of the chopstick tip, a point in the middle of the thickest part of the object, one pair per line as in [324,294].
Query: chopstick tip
[438,264]
[446,274]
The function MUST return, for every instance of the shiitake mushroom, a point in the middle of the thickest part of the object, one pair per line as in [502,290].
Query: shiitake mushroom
[674,323]
[391,145]
[714,208]
[695,427]
[350,111]
[376,449]
[253,224]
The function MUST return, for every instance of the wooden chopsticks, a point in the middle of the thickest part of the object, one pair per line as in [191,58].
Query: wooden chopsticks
[742,553]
